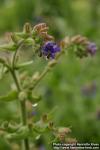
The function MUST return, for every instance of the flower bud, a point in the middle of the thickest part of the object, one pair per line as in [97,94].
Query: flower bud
[40,27]
[78,39]
[51,124]
[35,76]
[22,96]
[27,28]
[42,30]
[45,118]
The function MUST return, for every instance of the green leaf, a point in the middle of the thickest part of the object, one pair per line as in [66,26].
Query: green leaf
[29,42]
[22,35]
[40,127]
[24,64]
[9,97]
[34,98]
[3,70]
[9,47]
[22,133]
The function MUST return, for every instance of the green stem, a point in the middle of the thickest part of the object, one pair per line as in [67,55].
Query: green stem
[46,70]
[22,107]
[16,80]
[40,77]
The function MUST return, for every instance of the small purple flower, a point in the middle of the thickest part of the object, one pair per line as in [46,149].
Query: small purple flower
[49,49]
[92,48]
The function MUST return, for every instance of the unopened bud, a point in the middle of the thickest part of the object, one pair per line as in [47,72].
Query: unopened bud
[35,76]
[40,27]
[44,118]
[51,124]
[78,39]
[27,28]
[22,96]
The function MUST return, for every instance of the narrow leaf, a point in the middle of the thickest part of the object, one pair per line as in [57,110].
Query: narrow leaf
[9,97]
[24,64]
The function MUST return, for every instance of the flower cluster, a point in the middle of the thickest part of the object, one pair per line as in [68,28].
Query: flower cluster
[40,41]
[80,45]
[84,46]
[42,30]
[49,49]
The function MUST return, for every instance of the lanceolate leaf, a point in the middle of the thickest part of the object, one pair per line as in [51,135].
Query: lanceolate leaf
[22,133]
[25,64]
[9,97]
[10,47]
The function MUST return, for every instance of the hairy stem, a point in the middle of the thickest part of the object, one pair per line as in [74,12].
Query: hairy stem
[40,77]
[22,108]
[46,70]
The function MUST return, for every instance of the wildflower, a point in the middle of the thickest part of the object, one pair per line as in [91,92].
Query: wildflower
[91,47]
[42,30]
[27,28]
[78,39]
[83,46]
[49,49]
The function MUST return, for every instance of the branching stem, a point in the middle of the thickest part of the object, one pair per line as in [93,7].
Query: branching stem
[22,103]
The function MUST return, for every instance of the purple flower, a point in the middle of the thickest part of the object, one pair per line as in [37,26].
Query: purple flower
[92,48]
[49,49]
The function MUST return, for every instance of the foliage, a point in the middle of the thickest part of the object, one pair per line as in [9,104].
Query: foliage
[73,82]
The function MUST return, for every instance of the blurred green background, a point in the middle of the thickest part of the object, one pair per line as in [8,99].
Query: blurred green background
[73,85]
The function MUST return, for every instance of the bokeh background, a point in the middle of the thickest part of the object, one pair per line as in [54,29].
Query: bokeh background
[74,84]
